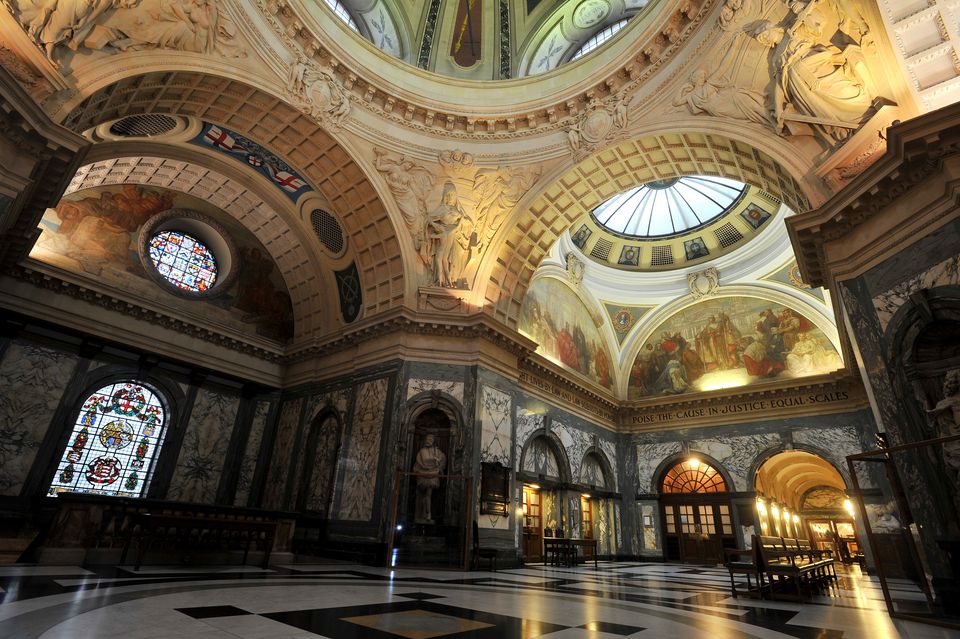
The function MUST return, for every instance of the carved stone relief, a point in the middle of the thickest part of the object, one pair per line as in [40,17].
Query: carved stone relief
[601,122]
[802,68]
[452,212]
[313,89]
[703,283]
[56,26]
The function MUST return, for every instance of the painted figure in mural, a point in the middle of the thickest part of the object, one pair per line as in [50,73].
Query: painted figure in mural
[601,364]
[673,380]
[756,358]
[947,416]
[809,357]
[450,234]
[429,464]
[567,349]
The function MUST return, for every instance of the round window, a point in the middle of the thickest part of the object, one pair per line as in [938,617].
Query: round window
[183,260]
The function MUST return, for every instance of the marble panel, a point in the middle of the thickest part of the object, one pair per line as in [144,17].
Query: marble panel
[204,450]
[618,524]
[886,304]
[736,454]
[362,456]
[248,464]
[337,400]
[609,449]
[540,460]
[282,452]
[602,525]
[32,381]
[528,422]
[454,389]
[649,457]
[495,442]
[573,525]
[322,467]
[834,444]
[575,442]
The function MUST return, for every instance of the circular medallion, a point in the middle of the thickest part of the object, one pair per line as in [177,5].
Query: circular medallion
[795,279]
[128,401]
[103,471]
[590,13]
[623,320]
[116,435]
[596,125]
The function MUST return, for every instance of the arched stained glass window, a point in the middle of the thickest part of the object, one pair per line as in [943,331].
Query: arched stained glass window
[114,443]
[693,476]
[599,38]
[183,260]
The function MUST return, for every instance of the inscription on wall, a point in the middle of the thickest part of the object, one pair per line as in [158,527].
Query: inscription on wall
[567,395]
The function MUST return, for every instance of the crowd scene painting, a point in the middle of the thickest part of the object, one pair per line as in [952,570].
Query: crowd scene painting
[556,319]
[726,342]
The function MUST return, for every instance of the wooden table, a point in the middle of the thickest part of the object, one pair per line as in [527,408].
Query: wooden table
[563,550]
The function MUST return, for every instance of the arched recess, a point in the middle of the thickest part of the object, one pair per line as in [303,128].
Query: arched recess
[524,240]
[787,475]
[321,456]
[276,125]
[271,218]
[596,471]
[543,453]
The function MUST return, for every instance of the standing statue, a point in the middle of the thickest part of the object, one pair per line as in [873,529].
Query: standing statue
[450,234]
[947,415]
[429,464]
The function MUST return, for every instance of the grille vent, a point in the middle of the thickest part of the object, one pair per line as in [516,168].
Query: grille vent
[601,250]
[728,235]
[143,125]
[661,255]
[327,230]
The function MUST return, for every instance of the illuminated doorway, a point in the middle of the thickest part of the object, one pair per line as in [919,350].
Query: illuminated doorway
[696,513]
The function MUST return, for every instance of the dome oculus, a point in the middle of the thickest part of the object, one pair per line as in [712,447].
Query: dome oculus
[664,208]
[183,260]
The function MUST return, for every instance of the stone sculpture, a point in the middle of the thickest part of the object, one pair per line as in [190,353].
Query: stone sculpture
[429,464]
[947,416]
[314,90]
[717,97]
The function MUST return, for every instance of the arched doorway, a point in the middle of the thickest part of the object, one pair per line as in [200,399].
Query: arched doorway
[543,471]
[696,512]
[801,495]
[320,466]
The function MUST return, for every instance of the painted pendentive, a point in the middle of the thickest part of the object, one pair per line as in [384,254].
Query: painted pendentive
[729,342]
[93,233]
[564,330]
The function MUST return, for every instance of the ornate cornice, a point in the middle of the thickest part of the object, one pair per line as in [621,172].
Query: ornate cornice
[673,30]
[915,150]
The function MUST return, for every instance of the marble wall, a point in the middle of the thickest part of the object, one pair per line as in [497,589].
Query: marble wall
[205,448]
[362,453]
[251,454]
[283,449]
[32,382]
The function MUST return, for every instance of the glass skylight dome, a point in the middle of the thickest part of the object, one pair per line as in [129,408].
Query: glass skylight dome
[665,208]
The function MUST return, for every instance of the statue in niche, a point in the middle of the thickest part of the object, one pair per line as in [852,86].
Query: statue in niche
[717,97]
[429,464]
[947,416]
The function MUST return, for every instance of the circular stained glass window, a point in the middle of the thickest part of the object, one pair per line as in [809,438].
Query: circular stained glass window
[183,261]
[663,208]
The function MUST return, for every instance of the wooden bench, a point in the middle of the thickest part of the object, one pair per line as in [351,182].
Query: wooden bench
[192,534]
[784,563]
[745,561]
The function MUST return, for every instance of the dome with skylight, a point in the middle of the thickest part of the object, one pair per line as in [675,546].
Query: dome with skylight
[666,208]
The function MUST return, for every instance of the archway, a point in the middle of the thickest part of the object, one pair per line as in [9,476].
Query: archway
[544,472]
[696,511]
[800,495]
[320,466]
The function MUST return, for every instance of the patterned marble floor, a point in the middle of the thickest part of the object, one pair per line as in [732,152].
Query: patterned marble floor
[342,601]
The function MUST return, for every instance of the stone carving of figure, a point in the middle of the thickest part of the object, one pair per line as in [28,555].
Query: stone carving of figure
[947,414]
[498,191]
[318,93]
[818,86]
[52,23]
[429,464]
[718,98]
[409,183]
[450,236]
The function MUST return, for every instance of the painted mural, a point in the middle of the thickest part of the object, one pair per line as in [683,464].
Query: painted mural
[557,320]
[94,233]
[729,342]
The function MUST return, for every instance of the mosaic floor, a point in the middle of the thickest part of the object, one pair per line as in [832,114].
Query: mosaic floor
[342,601]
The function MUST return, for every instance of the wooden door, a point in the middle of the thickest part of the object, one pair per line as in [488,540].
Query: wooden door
[697,533]
[532,525]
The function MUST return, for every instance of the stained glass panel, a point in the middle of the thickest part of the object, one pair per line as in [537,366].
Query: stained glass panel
[114,443]
[693,476]
[183,261]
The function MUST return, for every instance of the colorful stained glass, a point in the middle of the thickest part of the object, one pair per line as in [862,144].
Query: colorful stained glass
[99,451]
[183,261]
